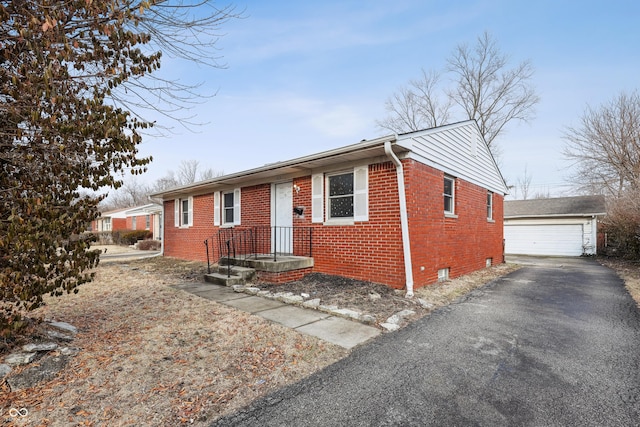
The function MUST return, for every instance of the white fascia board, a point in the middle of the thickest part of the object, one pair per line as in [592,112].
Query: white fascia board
[238,179]
[568,216]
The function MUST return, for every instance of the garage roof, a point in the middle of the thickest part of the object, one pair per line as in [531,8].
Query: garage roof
[560,206]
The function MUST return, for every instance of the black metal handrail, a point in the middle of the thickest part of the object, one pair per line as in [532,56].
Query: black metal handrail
[247,242]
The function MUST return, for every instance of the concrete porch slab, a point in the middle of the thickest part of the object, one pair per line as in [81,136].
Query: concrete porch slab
[342,332]
[293,317]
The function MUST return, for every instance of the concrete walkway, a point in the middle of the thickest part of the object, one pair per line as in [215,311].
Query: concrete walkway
[336,330]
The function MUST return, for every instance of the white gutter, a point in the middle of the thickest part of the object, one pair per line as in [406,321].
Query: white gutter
[404,220]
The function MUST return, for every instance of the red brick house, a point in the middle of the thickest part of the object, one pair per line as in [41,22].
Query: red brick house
[110,221]
[403,210]
[146,217]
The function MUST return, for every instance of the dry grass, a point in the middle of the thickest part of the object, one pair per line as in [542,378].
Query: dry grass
[444,293]
[154,355]
[629,271]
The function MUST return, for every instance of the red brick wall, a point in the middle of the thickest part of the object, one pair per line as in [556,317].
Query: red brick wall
[461,244]
[372,250]
[141,222]
[118,224]
[188,242]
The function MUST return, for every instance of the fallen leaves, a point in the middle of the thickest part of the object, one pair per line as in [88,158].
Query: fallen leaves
[153,355]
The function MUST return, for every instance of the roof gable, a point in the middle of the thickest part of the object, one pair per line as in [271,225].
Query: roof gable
[459,150]
[560,206]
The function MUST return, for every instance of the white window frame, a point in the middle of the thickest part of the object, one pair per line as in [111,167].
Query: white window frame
[147,222]
[452,196]
[219,217]
[226,208]
[489,206]
[179,213]
[134,223]
[320,203]
[330,199]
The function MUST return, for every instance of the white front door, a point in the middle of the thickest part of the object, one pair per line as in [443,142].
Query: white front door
[282,218]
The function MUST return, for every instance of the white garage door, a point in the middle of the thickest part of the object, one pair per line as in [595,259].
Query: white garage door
[560,240]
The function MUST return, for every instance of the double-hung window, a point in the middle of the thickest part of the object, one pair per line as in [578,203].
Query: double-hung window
[134,223]
[147,224]
[449,195]
[226,208]
[341,197]
[489,205]
[183,212]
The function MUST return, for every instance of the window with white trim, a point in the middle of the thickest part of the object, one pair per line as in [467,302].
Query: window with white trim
[489,205]
[226,207]
[148,222]
[346,198]
[183,212]
[133,223]
[340,197]
[449,195]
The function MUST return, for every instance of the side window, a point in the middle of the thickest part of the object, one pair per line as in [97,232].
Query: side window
[449,195]
[489,205]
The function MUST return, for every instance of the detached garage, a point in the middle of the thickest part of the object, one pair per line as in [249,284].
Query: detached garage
[566,226]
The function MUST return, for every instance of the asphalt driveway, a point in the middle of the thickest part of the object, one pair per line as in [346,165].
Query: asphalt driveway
[547,345]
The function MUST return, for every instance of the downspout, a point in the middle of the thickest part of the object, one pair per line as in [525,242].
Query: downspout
[404,219]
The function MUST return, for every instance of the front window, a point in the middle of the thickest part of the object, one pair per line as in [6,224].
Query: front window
[449,194]
[185,211]
[148,222]
[489,205]
[228,208]
[133,223]
[340,195]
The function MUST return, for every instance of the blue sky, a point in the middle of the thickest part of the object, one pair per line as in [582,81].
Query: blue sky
[304,77]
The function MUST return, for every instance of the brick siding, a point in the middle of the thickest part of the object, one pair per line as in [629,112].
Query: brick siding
[371,250]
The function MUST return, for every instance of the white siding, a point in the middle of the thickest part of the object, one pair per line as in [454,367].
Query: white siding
[458,150]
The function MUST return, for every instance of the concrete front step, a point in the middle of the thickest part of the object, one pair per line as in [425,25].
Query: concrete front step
[239,275]
[223,279]
[244,272]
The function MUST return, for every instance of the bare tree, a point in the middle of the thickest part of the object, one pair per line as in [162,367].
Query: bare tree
[605,147]
[487,90]
[417,106]
[484,87]
[523,184]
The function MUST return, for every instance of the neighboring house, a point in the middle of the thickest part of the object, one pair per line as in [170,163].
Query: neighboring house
[565,226]
[402,210]
[110,221]
[147,217]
